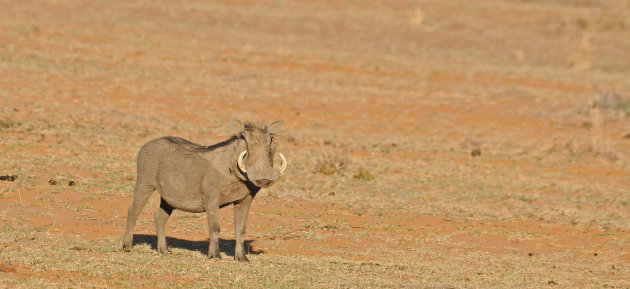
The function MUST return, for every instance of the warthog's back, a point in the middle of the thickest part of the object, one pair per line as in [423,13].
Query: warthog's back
[150,154]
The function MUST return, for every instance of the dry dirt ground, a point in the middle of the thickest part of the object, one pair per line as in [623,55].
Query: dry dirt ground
[385,103]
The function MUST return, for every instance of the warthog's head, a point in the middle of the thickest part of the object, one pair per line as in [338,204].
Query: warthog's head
[256,151]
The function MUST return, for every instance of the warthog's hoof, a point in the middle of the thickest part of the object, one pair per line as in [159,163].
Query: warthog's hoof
[215,256]
[127,245]
[164,250]
[241,258]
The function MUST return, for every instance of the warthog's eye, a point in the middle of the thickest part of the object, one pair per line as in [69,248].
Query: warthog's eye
[272,146]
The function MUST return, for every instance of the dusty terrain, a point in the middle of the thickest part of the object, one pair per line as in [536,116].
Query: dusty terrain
[431,144]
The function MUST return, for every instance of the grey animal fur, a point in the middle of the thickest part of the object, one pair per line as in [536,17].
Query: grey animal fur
[195,178]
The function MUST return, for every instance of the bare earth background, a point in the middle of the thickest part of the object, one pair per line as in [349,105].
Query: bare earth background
[383,103]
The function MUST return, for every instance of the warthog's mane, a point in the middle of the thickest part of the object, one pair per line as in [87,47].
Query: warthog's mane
[253,126]
[193,147]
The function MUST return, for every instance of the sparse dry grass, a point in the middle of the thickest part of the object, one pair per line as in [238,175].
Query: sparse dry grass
[381,113]
[53,261]
[331,164]
[41,258]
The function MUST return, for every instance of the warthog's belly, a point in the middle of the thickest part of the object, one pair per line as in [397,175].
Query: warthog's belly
[193,206]
[181,190]
[182,198]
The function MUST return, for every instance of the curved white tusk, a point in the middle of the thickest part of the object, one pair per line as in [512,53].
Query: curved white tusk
[240,161]
[284,164]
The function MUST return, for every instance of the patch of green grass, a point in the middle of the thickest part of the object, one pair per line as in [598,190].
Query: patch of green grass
[364,175]
[331,164]
[84,208]
[614,101]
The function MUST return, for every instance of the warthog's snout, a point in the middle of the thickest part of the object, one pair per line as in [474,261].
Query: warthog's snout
[263,182]
[260,171]
[266,179]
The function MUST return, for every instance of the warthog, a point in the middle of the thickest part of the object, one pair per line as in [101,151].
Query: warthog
[195,178]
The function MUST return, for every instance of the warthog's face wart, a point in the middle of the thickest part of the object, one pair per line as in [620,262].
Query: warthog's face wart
[256,158]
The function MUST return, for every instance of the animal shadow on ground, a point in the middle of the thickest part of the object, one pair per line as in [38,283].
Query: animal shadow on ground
[225,246]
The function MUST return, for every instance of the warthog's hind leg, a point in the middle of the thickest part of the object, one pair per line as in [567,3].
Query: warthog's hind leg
[141,194]
[161,216]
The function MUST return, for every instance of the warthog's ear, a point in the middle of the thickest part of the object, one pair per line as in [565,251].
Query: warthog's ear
[236,126]
[274,127]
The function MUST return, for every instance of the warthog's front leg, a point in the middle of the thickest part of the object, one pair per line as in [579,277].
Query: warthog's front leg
[241,210]
[212,215]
